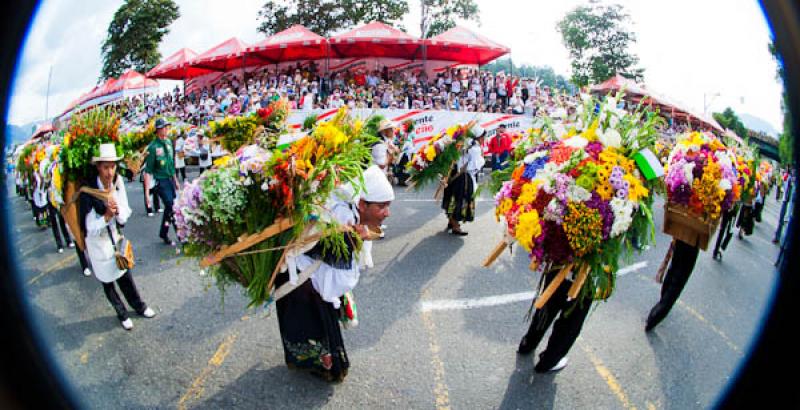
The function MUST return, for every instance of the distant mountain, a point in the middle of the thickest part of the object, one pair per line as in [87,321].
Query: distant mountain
[759,124]
[16,134]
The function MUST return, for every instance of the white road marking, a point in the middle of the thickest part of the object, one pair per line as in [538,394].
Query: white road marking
[631,268]
[456,304]
[451,304]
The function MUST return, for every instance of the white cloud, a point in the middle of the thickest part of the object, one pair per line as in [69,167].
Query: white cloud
[687,48]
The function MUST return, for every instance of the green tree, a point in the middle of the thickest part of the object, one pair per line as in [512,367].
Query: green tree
[786,139]
[728,119]
[598,41]
[325,17]
[438,16]
[134,35]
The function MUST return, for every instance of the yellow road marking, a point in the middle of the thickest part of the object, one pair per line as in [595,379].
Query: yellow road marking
[440,387]
[716,330]
[196,389]
[703,320]
[58,265]
[606,374]
[33,249]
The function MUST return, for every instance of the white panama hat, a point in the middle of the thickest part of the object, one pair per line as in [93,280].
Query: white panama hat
[107,153]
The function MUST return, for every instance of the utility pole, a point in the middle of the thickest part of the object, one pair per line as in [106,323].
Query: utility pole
[47,98]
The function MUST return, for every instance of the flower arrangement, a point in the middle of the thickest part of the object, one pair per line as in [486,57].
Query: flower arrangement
[82,140]
[580,201]
[702,177]
[134,145]
[242,216]
[261,127]
[436,157]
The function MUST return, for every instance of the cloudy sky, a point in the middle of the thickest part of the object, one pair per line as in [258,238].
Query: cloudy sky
[712,50]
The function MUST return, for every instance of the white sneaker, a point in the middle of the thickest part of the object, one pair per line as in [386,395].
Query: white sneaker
[161,211]
[560,365]
[87,272]
[149,214]
[71,244]
[60,250]
[127,324]
[148,313]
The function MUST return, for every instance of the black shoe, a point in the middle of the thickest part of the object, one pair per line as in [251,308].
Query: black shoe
[525,347]
[167,241]
[655,317]
[458,232]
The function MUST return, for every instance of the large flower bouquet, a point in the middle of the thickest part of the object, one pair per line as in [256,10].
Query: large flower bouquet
[261,127]
[134,146]
[243,216]
[702,177]
[581,202]
[765,171]
[434,160]
[746,171]
[701,182]
[85,133]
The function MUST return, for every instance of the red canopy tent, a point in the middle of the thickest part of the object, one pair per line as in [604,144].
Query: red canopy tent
[131,80]
[463,46]
[375,40]
[42,129]
[294,43]
[226,56]
[175,67]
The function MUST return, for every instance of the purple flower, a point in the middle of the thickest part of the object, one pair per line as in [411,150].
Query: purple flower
[604,209]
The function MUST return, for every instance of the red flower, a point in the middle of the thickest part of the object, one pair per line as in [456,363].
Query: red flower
[327,361]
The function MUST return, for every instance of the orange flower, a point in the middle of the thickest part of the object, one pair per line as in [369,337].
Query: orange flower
[517,174]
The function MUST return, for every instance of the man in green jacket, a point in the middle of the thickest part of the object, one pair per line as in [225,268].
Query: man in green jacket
[160,164]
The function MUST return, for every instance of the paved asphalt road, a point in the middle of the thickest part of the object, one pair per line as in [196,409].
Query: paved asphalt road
[437,330]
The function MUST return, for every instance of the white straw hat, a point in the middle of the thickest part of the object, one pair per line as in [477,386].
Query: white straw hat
[107,153]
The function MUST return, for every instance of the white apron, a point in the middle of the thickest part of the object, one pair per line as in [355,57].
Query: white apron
[99,248]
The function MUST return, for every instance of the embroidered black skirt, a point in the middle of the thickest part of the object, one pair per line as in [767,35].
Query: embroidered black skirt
[458,201]
[312,338]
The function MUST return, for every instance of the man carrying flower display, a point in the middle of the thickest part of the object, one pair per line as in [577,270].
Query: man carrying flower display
[160,165]
[308,315]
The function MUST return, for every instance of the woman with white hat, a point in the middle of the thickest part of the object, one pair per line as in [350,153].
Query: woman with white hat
[101,220]
[459,202]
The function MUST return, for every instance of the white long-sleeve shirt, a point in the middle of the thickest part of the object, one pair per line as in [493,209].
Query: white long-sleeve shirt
[99,248]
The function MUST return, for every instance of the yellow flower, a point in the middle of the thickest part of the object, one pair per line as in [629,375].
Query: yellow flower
[591,133]
[67,138]
[635,190]
[604,190]
[528,229]
[357,127]
[528,194]
[503,208]
[222,161]
[430,153]
[452,130]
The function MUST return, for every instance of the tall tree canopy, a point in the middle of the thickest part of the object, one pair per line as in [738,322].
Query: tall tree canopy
[438,16]
[598,42]
[786,140]
[728,119]
[134,35]
[325,17]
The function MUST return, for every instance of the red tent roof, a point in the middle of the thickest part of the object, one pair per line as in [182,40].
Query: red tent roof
[464,46]
[130,80]
[375,40]
[175,67]
[294,43]
[222,57]
[42,129]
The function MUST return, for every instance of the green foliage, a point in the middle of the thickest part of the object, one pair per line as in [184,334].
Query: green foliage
[598,42]
[234,131]
[309,122]
[86,132]
[728,119]
[372,124]
[134,35]
[545,74]
[440,167]
[326,17]
[438,16]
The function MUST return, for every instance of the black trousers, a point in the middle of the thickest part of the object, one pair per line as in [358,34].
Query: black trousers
[725,234]
[82,258]
[166,191]
[571,315]
[154,197]
[182,172]
[128,288]
[59,227]
[680,269]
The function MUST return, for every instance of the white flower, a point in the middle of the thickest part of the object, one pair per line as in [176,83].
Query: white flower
[687,172]
[576,142]
[576,193]
[534,156]
[623,210]
[559,130]
[265,185]
[725,184]
[247,181]
[610,138]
